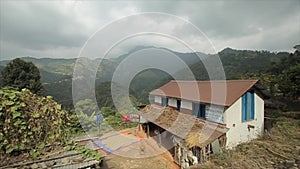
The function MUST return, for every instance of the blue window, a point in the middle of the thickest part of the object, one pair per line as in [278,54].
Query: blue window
[198,110]
[164,101]
[248,106]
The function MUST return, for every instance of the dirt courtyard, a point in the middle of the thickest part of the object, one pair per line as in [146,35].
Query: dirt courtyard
[122,150]
[117,162]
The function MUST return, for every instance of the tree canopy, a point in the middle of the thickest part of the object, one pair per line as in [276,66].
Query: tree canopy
[282,79]
[289,77]
[20,74]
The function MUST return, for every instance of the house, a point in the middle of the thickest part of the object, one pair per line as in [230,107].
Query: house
[229,111]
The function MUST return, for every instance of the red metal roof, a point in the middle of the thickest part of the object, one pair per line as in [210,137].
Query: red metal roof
[219,92]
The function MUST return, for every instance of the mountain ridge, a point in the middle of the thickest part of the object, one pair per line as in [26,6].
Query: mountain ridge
[56,74]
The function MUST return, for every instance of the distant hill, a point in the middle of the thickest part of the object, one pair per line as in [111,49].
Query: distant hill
[56,74]
[1,68]
[58,66]
[188,58]
[236,63]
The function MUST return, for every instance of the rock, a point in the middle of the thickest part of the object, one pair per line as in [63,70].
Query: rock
[65,161]
[34,166]
[88,159]
[297,149]
[50,163]
[279,165]
[297,161]
[78,159]
[289,163]
[42,165]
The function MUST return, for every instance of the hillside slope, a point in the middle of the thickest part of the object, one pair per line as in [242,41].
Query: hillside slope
[278,148]
[56,74]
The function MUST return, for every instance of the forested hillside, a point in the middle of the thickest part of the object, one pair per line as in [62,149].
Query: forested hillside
[56,74]
[238,62]
[1,68]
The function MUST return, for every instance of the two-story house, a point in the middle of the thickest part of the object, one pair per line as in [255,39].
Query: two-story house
[237,104]
[234,107]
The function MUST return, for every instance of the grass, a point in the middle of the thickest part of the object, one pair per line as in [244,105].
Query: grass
[283,140]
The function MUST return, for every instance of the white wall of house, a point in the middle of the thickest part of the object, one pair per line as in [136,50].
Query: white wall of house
[238,131]
[186,104]
[157,99]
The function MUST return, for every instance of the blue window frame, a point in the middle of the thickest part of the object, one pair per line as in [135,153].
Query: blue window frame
[198,110]
[248,107]
[164,101]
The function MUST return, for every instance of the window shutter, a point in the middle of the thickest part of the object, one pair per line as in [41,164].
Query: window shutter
[252,106]
[248,107]
[195,109]
[164,101]
[244,108]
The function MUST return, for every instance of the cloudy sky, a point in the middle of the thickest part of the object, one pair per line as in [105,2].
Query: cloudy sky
[60,29]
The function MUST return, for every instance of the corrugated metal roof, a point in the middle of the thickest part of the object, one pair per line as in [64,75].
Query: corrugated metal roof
[183,125]
[219,92]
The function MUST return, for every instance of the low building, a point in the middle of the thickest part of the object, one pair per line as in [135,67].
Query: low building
[206,115]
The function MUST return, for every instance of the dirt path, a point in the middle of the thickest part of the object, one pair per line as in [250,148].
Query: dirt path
[158,162]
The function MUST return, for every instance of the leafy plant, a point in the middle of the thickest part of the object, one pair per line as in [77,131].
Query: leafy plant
[29,122]
[84,150]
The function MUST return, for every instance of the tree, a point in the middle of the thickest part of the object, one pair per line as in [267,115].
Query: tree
[86,106]
[289,79]
[20,74]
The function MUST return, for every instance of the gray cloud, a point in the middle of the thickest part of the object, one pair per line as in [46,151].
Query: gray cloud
[59,29]
[39,26]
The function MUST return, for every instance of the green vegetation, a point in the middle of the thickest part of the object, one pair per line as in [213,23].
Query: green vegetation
[110,115]
[281,80]
[287,75]
[20,74]
[30,122]
[278,74]
[86,106]
[56,74]
[104,95]
[115,120]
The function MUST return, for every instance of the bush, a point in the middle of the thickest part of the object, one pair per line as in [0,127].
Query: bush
[29,121]
[107,111]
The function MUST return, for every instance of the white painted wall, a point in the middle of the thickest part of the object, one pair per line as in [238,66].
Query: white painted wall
[186,104]
[172,102]
[238,130]
[157,99]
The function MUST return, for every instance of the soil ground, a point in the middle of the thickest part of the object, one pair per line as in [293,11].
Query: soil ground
[131,151]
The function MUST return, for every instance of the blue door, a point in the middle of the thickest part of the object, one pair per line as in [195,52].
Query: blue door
[178,105]
[202,111]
